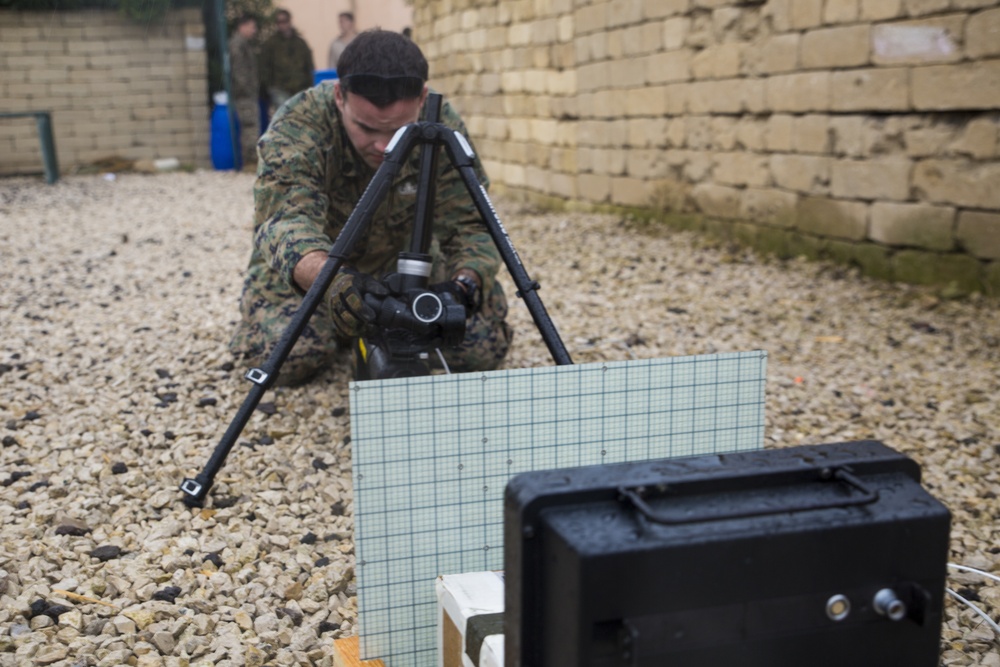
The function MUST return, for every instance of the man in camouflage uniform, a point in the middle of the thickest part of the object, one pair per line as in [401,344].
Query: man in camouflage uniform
[286,62]
[317,157]
[245,83]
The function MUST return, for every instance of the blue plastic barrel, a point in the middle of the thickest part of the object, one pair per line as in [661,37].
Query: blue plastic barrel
[323,75]
[221,139]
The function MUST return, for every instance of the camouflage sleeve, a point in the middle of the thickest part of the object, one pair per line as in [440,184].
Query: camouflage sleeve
[464,238]
[290,200]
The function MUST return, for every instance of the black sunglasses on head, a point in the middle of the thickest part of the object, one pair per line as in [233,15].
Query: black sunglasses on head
[383,90]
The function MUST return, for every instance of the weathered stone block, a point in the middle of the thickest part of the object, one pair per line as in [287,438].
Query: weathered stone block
[778,53]
[934,40]
[873,260]
[648,132]
[964,86]
[805,13]
[668,67]
[914,225]
[625,12]
[659,9]
[982,34]
[871,90]
[871,179]
[959,182]
[924,7]
[724,133]
[979,234]
[798,93]
[628,73]
[646,163]
[627,191]
[741,169]
[716,200]
[859,136]
[959,273]
[699,132]
[807,174]
[832,217]
[750,134]
[674,31]
[779,133]
[811,134]
[717,62]
[980,139]
[830,48]
[645,101]
[769,206]
[590,18]
[991,279]
[840,11]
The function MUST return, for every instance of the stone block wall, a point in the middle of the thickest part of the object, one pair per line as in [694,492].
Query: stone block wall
[114,87]
[866,131]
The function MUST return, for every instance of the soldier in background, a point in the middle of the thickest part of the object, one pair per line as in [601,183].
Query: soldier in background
[347,33]
[317,157]
[286,62]
[245,83]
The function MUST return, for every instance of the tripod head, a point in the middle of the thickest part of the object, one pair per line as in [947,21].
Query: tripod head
[412,321]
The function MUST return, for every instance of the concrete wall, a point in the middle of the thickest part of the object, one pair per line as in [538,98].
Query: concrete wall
[114,87]
[865,131]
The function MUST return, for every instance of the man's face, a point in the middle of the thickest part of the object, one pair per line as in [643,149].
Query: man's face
[248,29]
[284,24]
[346,24]
[370,128]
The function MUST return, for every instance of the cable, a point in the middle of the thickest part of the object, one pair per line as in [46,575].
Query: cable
[989,621]
[966,568]
[444,363]
[980,612]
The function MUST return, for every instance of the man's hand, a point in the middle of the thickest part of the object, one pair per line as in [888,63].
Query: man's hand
[351,315]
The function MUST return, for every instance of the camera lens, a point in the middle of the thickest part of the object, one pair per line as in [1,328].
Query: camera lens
[427,307]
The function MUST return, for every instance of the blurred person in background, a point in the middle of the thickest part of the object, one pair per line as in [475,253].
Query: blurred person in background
[245,86]
[286,62]
[347,33]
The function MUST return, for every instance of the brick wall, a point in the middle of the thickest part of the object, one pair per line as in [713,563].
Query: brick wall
[114,87]
[865,131]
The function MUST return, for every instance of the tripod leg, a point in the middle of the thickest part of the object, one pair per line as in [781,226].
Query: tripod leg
[196,489]
[527,288]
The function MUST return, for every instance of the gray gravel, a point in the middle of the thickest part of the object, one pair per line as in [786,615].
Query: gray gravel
[115,383]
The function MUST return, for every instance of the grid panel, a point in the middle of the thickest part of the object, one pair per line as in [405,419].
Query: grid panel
[432,456]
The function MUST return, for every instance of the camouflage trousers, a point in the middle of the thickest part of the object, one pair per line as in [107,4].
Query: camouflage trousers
[487,337]
[248,113]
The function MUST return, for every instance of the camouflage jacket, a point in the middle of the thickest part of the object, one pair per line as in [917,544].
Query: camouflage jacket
[310,179]
[243,66]
[286,63]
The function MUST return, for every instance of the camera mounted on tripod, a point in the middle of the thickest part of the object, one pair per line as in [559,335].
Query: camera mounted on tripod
[410,323]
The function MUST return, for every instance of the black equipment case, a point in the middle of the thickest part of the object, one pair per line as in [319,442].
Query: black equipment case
[828,555]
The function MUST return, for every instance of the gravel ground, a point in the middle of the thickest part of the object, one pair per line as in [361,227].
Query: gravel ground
[118,299]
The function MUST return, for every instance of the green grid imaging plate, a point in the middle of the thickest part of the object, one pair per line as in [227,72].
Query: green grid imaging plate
[432,456]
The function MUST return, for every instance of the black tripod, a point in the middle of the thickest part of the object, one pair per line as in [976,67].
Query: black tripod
[430,134]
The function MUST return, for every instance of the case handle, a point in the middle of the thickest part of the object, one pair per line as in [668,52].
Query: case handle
[842,475]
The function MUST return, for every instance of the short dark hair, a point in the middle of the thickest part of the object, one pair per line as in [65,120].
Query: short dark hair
[282,12]
[383,54]
[346,15]
[244,19]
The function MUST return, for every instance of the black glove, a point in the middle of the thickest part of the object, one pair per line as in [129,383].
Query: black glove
[465,292]
[351,315]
